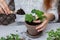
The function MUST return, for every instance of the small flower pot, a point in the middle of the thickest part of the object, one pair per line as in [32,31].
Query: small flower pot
[20,18]
[31,28]
[20,15]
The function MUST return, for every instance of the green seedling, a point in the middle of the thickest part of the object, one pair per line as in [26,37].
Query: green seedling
[30,17]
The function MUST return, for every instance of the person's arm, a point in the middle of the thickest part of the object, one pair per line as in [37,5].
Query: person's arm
[4,6]
[53,12]
[50,15]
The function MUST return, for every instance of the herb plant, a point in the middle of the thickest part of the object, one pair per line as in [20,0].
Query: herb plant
[30,17]
[11,37]
[54,35]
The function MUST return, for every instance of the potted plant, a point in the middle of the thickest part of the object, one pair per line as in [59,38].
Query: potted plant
[31,26]
[20,15]
[54,35]
[12,37]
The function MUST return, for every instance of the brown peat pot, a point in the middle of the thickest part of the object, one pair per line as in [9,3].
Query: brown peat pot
[7,19]
[31,28]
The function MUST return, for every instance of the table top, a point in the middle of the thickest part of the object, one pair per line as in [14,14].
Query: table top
[20,28]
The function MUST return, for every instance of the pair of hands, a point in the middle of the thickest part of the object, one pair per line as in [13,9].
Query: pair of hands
[4,7]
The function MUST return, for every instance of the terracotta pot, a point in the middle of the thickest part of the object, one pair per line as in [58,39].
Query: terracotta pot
[32,29]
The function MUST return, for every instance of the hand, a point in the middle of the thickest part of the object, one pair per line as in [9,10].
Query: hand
[42,26]
[4,7]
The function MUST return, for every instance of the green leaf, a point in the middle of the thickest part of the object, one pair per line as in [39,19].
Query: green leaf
[49,38]
[11,37]
[29,17]
[17,37]
[38,12]
[33,11]
[2,38]
[55,35]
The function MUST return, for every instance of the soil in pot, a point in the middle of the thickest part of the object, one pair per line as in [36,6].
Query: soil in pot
[31,28]
[20,12]
[7,19]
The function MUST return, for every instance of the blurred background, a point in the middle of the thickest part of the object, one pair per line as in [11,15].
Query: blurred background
[13,8]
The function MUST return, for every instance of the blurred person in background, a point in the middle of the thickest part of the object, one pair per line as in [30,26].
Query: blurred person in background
[51,12]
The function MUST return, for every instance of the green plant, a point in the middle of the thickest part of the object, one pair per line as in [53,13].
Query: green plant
[11,37]
[54,35]
[30,17]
